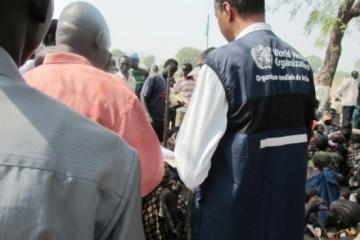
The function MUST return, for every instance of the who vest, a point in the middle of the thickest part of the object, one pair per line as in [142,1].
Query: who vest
[255,188]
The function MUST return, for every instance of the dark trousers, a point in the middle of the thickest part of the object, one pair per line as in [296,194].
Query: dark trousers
[159,129]
[347,115]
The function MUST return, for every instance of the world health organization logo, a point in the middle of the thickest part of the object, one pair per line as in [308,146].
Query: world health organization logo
[262,57]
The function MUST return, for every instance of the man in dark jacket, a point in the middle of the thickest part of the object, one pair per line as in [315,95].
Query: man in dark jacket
[248,123]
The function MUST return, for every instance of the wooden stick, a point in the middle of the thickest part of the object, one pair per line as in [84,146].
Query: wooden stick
[167,109]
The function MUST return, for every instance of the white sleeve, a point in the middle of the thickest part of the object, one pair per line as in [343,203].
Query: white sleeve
[204,125]
[342,86]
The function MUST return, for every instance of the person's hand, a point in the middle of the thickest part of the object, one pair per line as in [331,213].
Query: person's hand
[180,103]
[172,141]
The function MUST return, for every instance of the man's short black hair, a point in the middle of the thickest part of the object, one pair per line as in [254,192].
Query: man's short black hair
[246,7]
[355,74]
[322,143]
[309,193]
[321,160]
[123,56]
[188,66]
[170,61]
[338,137]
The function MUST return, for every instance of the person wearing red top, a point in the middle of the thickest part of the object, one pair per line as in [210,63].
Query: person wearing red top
[72,75]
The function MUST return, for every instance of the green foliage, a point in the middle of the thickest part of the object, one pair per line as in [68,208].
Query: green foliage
[148,60]
[188,55]
[117,53]
[316,62]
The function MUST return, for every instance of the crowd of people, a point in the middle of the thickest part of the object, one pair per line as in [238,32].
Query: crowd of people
[333,176]
[94,147]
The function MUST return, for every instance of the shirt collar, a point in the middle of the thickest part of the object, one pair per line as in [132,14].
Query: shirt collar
[254,27]
[65,57]
[8,67]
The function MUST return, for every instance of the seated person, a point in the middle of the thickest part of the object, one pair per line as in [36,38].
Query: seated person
[327,181]
[319,130]
[314,208]
[322,143]
[344,214]
[353,162]
[337,143]
[328,122]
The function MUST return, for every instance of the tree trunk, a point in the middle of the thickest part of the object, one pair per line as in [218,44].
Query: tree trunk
[327,72]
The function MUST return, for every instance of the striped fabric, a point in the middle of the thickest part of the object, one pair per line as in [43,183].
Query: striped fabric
[61,175]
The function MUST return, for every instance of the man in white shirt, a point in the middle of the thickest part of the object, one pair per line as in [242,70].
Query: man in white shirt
[243,141]
[349,92]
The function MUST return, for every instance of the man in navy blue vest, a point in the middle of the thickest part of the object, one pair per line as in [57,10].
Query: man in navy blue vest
[242,146]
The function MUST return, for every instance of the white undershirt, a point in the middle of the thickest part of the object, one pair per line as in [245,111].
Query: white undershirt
[204,124]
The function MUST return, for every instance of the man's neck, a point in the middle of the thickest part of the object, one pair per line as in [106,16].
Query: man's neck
[243,23]
[68,49]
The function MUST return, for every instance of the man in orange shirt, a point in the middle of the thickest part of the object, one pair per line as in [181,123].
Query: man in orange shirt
[72,75]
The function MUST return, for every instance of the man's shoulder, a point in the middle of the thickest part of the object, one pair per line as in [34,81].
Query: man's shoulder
[57,139]
[224,50]
[155,77]
[260,44]
[103,85]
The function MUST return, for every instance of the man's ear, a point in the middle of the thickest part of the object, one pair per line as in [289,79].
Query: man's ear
[99,41]
[39,9]
[228,11]
[102,40]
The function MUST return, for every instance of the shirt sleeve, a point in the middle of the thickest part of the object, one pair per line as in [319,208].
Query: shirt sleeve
[147,87]
[204,125]
[342,86]
[138,133]
[132,125]
[129,225]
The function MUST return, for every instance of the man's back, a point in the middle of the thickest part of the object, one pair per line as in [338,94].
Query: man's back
[256,182]
[349,91]
[62,176]
[154,90]
[106,100]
